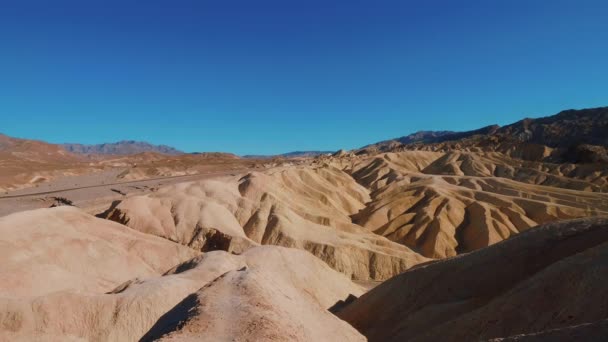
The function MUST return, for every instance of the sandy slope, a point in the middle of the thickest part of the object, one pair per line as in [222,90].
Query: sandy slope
[48,250]
[549,277]
[280,294]
[266,292]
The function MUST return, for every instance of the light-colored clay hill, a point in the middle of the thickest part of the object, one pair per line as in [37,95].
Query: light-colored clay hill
[301,207]
[278,294]
[63,248]
[437,204]
[444,204]
[587,177]
[78,278]
[550,277]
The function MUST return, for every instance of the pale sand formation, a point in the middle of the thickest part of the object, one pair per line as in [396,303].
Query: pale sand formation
[550,277]
[65,285]
[278,294]
[340,212]
[587,177]
[307,208]
[62,248]
[444,204]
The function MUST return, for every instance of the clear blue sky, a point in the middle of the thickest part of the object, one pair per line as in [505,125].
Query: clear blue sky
[266,77]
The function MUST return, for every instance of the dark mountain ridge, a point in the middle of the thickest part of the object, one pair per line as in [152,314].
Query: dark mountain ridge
[577,136]
[294,154]
[124,147]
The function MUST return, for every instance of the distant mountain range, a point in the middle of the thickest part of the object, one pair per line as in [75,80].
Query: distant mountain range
[429,137]
[577,136]
[295,154]
[420,136]
[124,147]
[569,136]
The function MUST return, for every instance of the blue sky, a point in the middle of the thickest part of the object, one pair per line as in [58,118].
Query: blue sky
[263,77]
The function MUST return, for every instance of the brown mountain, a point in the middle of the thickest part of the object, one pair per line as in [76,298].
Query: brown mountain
[33,150]
[20,157]
[570,136]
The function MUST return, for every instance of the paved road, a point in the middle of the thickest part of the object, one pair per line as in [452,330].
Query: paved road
[96,197]
[142,181]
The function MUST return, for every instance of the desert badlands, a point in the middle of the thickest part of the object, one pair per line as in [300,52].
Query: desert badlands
[497,234]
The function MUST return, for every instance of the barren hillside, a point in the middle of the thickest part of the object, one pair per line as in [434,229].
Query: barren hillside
[550,277]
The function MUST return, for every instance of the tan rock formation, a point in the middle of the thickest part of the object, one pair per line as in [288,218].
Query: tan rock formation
[547,278]
[306,208]
[268,292]
[463,207]
[63,248]
[281,294]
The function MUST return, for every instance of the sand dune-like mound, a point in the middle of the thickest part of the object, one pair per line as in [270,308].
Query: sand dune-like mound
[265,301]
[379,170]
[199,215]
[437,204]
[586,177]
[443,211]
[301,207]
[265,294]
[48,250]
[549,277]
[376,172]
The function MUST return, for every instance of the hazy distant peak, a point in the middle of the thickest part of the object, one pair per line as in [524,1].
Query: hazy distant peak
[123,147]
[570,135]
[294,154]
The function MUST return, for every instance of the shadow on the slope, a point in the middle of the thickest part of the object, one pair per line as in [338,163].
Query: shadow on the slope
[174,319]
